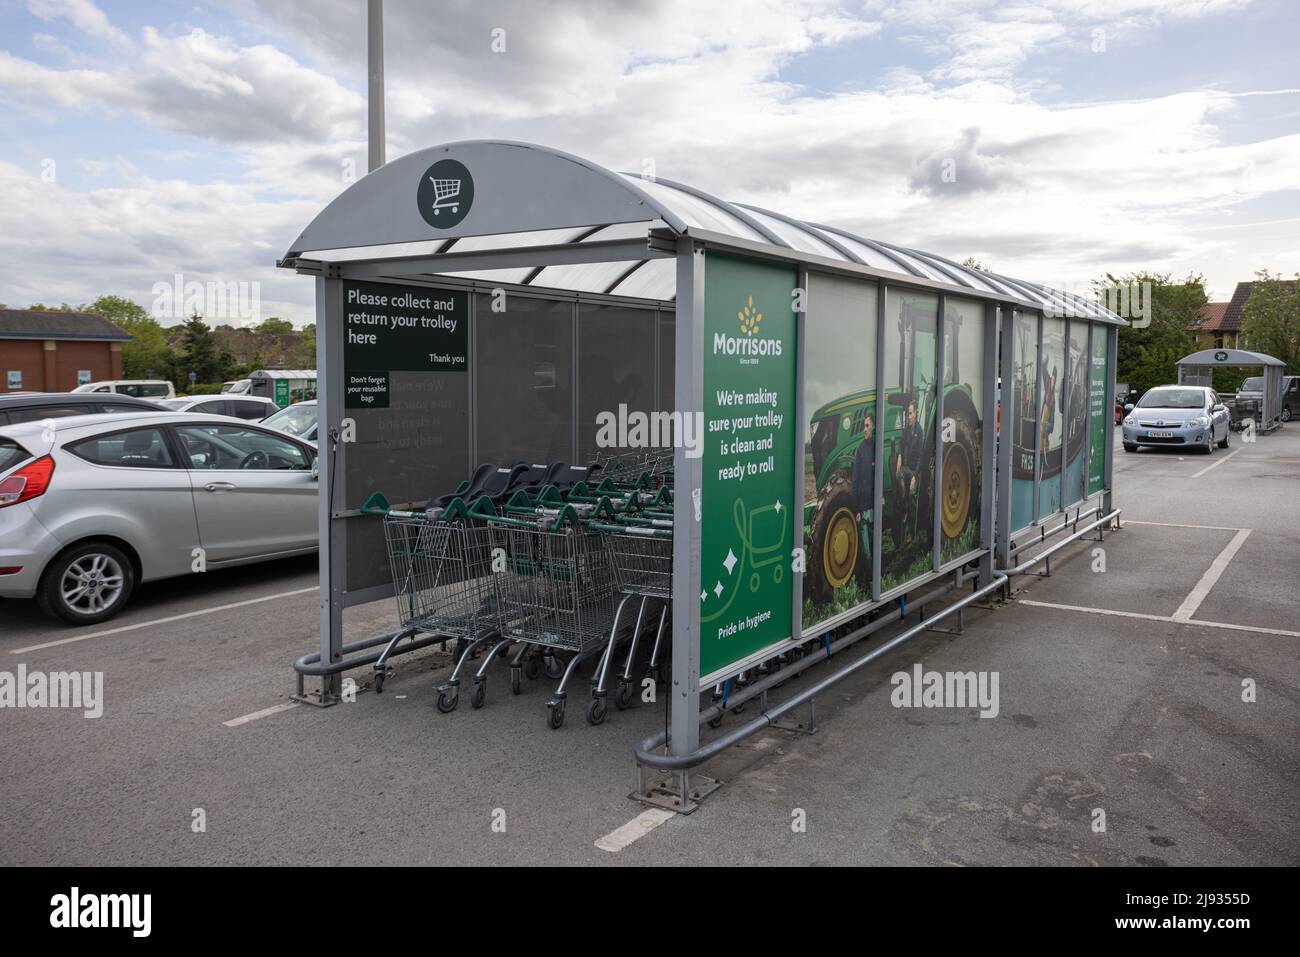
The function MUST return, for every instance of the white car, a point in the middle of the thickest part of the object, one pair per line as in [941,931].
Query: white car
[92,505]
[250,408]
[140,388]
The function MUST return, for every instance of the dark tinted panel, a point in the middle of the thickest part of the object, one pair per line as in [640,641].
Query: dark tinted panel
[11,453]
[36,412]
[616,366]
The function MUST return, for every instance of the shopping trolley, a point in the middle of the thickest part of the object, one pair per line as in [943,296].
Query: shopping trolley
[556,590]
[640,549]
[446,193]
[443,582]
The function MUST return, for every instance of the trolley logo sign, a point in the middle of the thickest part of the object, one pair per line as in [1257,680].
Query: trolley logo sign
[445,194]
[747,344]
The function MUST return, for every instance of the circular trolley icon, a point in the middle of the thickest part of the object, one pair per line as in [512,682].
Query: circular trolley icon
[1220,357]
[445,194]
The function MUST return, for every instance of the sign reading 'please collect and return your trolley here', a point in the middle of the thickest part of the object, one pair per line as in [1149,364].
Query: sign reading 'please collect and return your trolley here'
[389,328]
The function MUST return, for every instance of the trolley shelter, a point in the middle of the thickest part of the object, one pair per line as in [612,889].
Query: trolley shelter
[1198,369]
[831,402]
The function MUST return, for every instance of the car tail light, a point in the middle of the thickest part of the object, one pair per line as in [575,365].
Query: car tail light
[28,482]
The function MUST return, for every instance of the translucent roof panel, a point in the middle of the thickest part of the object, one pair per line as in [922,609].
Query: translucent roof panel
[657,279]
[538,237]
[516,275]
[697,212]
[871,257]
[581,277]
[623,231]
[798,238]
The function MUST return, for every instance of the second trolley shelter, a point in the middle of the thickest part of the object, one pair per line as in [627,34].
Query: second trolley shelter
[848,385]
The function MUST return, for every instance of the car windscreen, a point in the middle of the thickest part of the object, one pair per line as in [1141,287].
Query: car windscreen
[296,420]
[1173,399]
[1253,383]
[11,453]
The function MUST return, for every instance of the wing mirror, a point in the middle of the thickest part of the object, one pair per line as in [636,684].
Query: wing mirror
[1128,406]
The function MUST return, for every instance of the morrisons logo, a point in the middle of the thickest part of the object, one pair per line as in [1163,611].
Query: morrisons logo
[748,343]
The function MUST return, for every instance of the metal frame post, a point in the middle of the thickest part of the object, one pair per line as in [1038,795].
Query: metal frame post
[1038,421]
[936,507]
[688,387]
[375,84]
[882,293]
[800,438]
[988,440]
[332,456]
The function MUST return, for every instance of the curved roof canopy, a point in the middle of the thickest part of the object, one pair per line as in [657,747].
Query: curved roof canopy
[527,197]
[1229,357]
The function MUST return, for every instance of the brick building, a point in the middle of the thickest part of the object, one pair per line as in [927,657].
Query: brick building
[51,351]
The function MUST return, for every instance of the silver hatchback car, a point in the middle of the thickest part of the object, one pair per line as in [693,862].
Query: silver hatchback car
[1185,416]
[92,505]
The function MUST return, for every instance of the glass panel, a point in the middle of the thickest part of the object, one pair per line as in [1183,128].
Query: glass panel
[667,359]
[524,384]
[907,542]
[657,279]
[539,237]
[798,238]
[584,277]
[1024,421]
[1076,407]
[870,256]
[1101,416]
[139,448]
[1051,423]
[839,454]
[232,447]
[616,367]
[963,414]
[698,212]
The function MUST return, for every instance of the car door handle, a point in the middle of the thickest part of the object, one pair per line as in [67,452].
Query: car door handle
[219,487]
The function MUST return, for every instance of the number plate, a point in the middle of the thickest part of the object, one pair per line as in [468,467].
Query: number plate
[1159,435]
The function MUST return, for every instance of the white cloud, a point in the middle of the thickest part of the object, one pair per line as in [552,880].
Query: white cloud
[84,15]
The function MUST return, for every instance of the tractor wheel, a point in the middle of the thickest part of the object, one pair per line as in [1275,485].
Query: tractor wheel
[960,476]
[835,539]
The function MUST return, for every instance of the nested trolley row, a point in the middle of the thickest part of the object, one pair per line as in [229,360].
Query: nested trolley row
[553,573]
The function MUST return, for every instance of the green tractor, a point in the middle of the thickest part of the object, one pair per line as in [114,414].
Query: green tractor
[835,548]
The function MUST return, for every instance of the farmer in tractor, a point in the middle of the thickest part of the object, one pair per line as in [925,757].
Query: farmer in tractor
[864,486]
[907,467]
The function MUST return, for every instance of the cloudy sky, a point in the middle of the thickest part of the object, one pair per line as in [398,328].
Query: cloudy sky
[141,140]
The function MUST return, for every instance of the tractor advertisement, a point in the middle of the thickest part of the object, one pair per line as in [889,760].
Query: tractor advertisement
[840,509]
[1038,415]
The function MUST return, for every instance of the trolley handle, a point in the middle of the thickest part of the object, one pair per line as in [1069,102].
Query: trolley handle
[632,530]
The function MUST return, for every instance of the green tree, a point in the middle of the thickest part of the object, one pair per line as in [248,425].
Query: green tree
[1272,318]
[274,326]
[970,262]
[198,353]
[148,350]
[1149,356]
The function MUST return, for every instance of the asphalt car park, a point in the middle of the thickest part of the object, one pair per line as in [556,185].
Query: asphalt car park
[1121,690]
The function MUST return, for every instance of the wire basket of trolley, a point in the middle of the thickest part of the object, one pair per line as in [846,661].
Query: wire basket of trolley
[441,562]
[554,589]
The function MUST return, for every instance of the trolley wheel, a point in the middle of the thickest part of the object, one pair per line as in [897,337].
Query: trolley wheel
[516,679]
[596,711]
[715,722]
[448,698]
[478,695]
[553,667]
[533,667]
[623,695]
[555,714]
[379,682]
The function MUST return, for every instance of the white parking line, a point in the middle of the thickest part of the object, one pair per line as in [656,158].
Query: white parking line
[1258,629]
[1212,574]
[635,829]
[1212,528]
[264,713]
[1216,464]
[162,621]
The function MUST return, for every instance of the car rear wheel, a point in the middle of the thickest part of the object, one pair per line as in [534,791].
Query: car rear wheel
[1227,432]
[1286,413]
[86,584]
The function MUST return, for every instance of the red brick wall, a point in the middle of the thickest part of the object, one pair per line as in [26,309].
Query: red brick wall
[56,371]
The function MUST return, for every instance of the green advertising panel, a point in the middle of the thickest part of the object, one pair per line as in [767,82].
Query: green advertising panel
[749,461]
[1100,415]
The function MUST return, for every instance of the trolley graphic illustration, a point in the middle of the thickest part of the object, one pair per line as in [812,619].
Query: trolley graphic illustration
[762,540]
[446,193]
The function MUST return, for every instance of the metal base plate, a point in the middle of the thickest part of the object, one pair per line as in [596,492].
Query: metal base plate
[665,793]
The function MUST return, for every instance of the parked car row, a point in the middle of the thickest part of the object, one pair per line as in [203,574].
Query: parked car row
[102,491]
